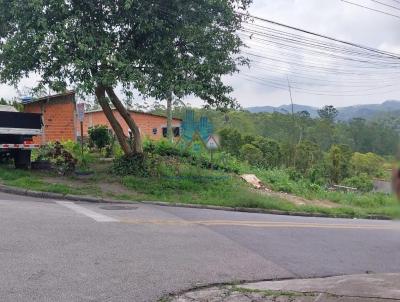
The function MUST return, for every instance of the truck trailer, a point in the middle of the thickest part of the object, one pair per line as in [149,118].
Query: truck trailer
[17,130]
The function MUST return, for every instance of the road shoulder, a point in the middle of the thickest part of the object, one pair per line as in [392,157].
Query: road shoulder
[354,288]
[57,196]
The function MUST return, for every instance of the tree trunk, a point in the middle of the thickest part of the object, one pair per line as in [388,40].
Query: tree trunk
[119,132]
[138,147]
[170,134]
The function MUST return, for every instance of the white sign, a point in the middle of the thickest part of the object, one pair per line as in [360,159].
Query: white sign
[212,142]
[80,108]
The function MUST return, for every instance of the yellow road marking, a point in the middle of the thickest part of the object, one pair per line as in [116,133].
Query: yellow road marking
[260,224]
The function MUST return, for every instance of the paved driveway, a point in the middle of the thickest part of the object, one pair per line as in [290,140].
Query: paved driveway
[64,251]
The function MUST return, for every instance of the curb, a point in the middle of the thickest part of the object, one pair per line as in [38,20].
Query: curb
[49,195]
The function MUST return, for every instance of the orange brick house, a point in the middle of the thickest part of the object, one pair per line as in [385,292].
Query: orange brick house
[61,122]
[152,126]
[59,117]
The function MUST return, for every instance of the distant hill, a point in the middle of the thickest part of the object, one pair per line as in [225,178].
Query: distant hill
[345,113]
[285,109]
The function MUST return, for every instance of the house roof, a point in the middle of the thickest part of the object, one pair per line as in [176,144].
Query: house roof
[134,111]
[51,97]
[72,92]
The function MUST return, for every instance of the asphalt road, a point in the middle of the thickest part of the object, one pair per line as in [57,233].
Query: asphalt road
[64,251]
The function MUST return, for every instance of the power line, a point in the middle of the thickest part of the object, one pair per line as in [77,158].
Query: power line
[323,51]
[286,52]
[283,86]
[373,50]
[287,48]
[318,79]
[312,42]
[385,4]
[371,9]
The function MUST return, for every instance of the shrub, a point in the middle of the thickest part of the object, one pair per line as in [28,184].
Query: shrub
[294,174]
[369,163]
[317,174]
[307,154]
[204,162]
[228,162]
[62,160]
[100,136]
[278,180]
[164,148]
[362,182]
[271,150]
[338,162]
[83,159]
[231,140]
[251,154]
[314,187]
[143,165]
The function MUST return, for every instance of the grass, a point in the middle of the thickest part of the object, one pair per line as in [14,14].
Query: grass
[33,181]
[360,204]
[185,183]
[270,293]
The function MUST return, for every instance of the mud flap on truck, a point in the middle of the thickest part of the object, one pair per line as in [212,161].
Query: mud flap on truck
[22,159]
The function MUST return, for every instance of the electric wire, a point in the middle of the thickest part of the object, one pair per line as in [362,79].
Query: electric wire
[371,9]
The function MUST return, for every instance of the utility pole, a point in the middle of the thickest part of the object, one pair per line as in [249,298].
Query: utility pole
[294,122]
[170,134]
[291,96]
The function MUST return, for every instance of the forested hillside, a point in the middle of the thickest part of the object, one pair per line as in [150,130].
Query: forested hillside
[307,151]
[347,113]
[378,135]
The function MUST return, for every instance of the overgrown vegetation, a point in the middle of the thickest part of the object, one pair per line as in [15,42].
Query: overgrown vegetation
[65,157]
[168,172]
[295,165]
[305,156]
[99,136]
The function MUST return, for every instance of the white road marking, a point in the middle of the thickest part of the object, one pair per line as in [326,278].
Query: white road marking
[89,213]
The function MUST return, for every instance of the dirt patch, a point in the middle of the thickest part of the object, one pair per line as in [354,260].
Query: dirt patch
[236,294]
[298,201]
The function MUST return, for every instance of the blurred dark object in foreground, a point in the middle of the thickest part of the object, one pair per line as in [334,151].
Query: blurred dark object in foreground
[396,182]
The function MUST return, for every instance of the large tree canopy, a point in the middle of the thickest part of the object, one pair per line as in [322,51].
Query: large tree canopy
[157,47]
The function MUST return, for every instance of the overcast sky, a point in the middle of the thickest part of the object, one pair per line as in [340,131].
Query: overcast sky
[330,17]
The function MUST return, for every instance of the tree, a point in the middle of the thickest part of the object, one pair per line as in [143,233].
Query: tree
[231,140]
[99,136]
[194,46]
[329,113]
[271,151]
[369,163]
[338,163]
[153,46]
[307,155]
[251,154]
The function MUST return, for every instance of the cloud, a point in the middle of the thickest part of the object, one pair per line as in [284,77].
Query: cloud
[333,18]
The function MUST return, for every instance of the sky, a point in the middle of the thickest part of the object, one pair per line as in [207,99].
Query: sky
[332,18]
[329,17]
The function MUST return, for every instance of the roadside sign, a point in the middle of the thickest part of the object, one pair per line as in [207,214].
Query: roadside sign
[212,142]
[80,108]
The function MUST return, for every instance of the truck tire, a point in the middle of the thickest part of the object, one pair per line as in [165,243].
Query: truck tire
[22,159]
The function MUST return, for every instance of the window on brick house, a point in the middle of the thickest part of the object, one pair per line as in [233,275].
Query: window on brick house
[175,130]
